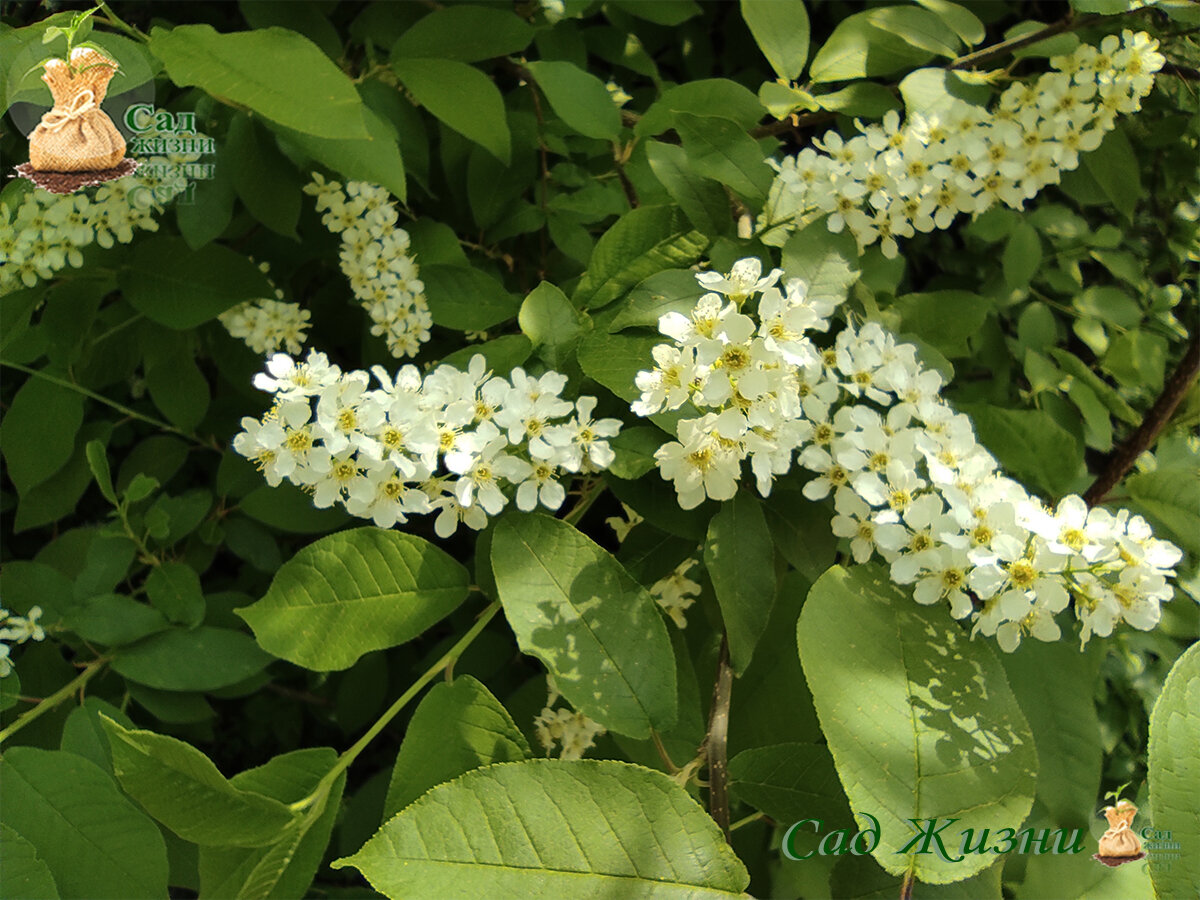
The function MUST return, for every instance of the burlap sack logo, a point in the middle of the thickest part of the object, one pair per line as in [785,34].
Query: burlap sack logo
[1120,845]
[76,144]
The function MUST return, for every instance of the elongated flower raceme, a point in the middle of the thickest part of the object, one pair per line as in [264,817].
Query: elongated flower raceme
[269,324]
[894,179]
[910,484]
[375,259]
[451,443]
[46,232]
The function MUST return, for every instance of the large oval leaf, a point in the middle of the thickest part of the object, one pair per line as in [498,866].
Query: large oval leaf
[553,828]
[180,786]
[574,607]
[92,838]
[462,97]
[353,592]
[197,659]
[1175,777]
[919,718]
[740,559]
[273,71]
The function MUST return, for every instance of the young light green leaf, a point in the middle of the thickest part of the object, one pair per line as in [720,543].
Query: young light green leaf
[462,97]
[200,659]
[353,592]
[97,458]
[574,607]
[552,324]
[286,867]
[181,288]
[719,148]
[180,786]
[671,290]
[944,319]
[881,41]
[553,828]
[458,727]
[780,28]
[95,842]
[275,72]
[1175,775]
[1030,445]
[1022,256]
[579,98]
[740,559]
[465,33]
[964,22]
[952,753]
[706,97]
[644,241]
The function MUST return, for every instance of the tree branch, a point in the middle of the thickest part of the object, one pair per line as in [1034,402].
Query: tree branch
[1152,425]
[717,741]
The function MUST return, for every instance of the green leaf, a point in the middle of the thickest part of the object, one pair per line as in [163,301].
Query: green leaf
[614,361]
[1022,256]
[702,200]
[174,589]
[465,33]
[181,288]
[882,41]
[288,508]
[781,100]
[800,529]
[826,262]
[180,786]
[95,842]
[1054,684]
[273,71]
[1030,445]
[1116,169]
[660,12]
[944,319]
[264,179]
[964,22]
[376,159]
[634,449]
[1175,775]
[950,752]
[574,607]
[672,290]
[202,659]
[97,458]
[552,324]
[1073,365]
[460,96]
[553,828]
[502,354]
[25,873]
[643,241]
[740,559]
[780,28]
[1171,497]
[789,782]
[708,96]
[458,727]
[285,868]
[38,432]
[353,592]
[115,620]
[859,98]
[579,98]
[1110,304]
[1080,877]
[465,298]
[719,148]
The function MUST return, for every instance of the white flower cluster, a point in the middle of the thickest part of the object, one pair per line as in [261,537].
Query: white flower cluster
[909,481]
[268,325]
[896,178]
[17,630]
[676,592]
[571,729]
[448,443]
[375,259]
[46,232]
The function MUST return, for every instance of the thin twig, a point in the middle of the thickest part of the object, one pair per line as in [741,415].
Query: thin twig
[717,741]
[1152,425]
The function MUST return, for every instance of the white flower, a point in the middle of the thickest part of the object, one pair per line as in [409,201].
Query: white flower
[676,592]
